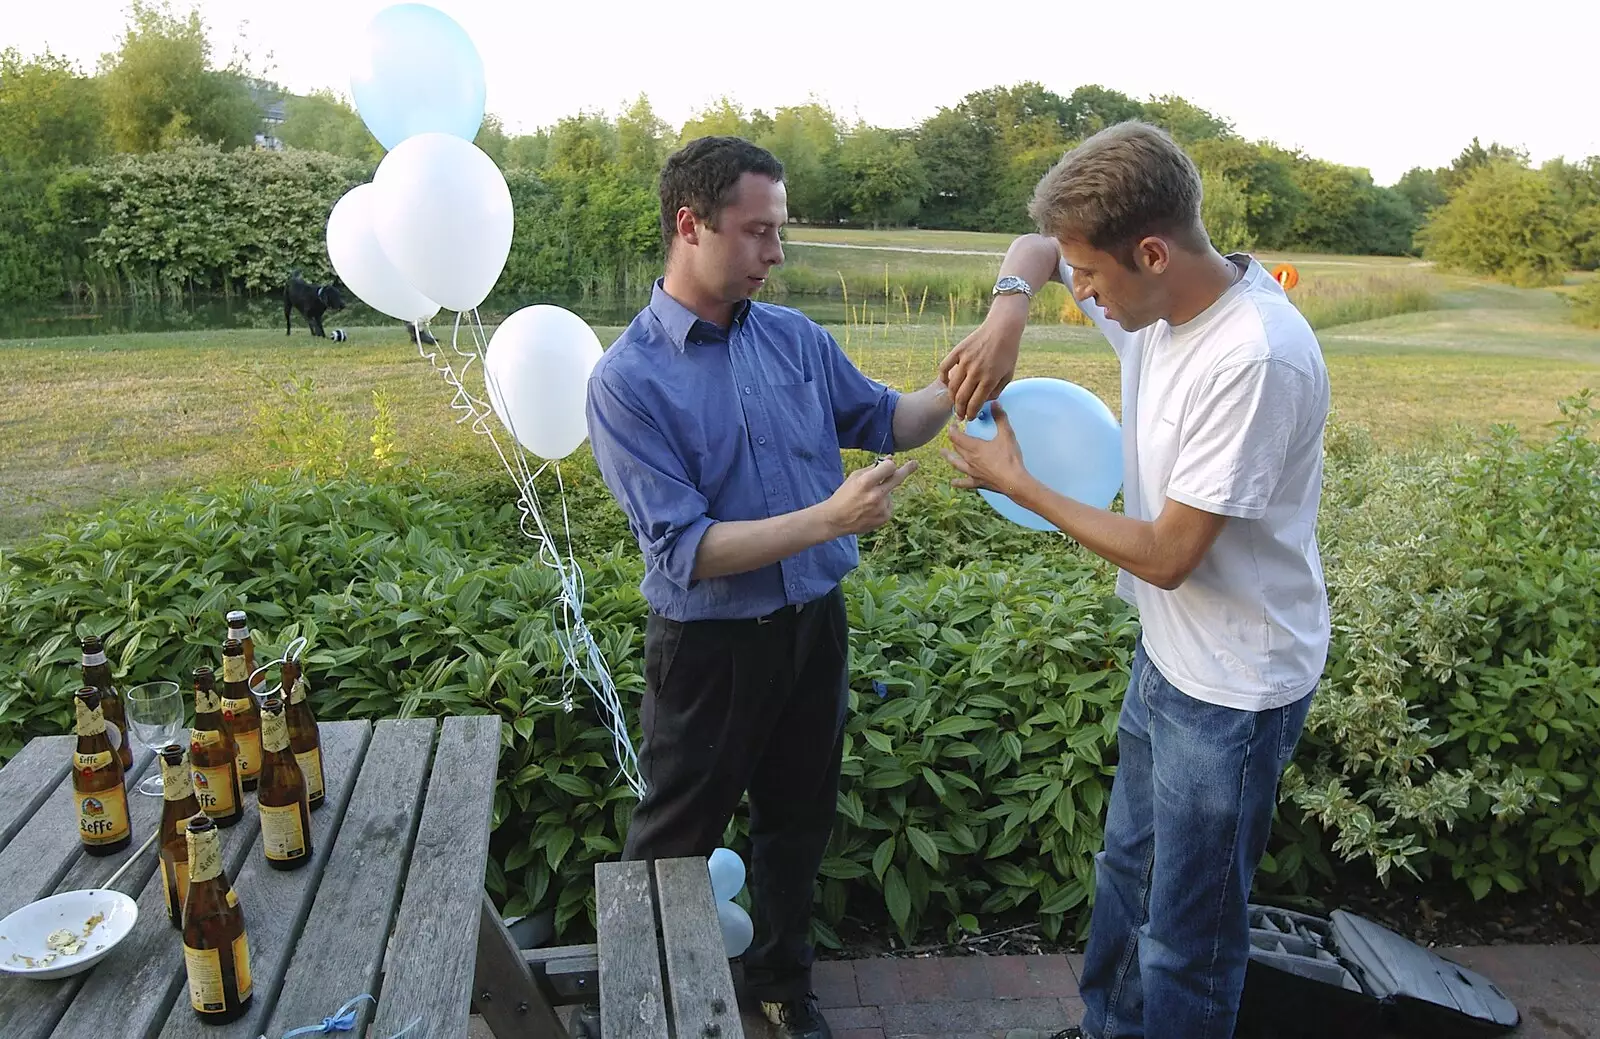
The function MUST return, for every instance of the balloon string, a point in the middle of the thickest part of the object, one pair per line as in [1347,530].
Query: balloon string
[584,662]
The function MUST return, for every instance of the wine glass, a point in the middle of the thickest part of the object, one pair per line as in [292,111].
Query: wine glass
[155,714]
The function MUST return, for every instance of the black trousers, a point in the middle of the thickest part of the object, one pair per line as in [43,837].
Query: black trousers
[732,706]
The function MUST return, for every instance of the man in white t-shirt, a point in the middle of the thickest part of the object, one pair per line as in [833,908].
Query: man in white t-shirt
[1224,400]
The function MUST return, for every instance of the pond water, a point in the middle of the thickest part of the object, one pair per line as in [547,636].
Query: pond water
[202,313]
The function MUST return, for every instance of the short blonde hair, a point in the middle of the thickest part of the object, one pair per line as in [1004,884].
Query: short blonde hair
[1124,183]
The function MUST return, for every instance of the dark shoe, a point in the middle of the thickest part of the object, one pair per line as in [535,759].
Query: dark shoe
[1033,1033]
[798,1018]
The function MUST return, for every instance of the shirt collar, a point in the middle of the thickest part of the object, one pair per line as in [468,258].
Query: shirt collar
[682,325]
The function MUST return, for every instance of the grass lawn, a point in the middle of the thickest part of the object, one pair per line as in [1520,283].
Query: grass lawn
[88,419]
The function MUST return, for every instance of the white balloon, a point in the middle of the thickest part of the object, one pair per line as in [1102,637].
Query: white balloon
[364,267]
[727,874]
[737,930]
[443,216]
[537,369]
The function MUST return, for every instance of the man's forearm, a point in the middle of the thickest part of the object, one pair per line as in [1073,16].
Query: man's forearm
[740,546]
[919,416]
[1129,543]
[1036,259]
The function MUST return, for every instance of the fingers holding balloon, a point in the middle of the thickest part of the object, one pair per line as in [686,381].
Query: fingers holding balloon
[1050,434]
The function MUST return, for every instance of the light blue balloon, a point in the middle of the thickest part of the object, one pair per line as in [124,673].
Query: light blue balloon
[1070,442]
[417,72]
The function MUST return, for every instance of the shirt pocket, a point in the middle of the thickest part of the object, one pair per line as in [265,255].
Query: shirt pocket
[803,422]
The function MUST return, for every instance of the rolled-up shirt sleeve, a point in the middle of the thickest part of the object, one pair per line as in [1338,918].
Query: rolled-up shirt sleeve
[665,510]
[863,408]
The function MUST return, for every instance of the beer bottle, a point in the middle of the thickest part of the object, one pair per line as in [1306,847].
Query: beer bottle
[215,948]
[305,739]
[97,672]
[217,788]
[177,787]
[239,628]
[285,813]
[240,710]
[103,822]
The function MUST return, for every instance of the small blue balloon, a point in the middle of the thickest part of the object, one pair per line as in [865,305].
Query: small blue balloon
[417,72]
[1070,442]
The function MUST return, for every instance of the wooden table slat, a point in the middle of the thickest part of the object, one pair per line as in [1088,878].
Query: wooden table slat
[30,1009]
[276,902]
[632,997]
[29,778]
[698,978]
[341,946]
[428,970]
[47,845]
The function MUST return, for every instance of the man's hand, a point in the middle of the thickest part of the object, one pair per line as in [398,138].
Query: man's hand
[863,502]
[984,362]
[994,465]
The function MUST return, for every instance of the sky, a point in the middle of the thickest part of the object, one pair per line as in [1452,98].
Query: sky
[1382,85]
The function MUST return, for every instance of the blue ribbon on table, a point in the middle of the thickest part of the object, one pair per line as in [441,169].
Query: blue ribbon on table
[343,1020]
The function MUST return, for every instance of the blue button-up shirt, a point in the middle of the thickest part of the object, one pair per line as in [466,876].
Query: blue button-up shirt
[692,425]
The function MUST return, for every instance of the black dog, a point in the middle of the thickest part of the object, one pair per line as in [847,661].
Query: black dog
[312,301]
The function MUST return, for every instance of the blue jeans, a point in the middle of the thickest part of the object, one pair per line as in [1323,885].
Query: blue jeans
[1191,809]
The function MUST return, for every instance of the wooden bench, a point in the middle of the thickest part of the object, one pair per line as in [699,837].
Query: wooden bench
[663,971]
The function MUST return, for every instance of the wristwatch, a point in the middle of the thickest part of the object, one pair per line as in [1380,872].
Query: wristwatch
[1010,285]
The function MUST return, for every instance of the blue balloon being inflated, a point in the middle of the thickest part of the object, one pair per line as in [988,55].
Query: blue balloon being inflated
[1070,442]
[416,71]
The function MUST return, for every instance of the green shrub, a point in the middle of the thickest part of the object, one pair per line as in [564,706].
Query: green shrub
[1453,737]
[1456,726]
[1504,221]
[1586,304]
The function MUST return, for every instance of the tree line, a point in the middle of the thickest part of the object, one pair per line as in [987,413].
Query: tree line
[970,166]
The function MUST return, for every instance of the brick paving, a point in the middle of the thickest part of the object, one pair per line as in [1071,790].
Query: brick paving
[1556,988]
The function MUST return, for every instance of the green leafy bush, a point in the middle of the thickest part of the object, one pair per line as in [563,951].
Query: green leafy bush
[1453,737]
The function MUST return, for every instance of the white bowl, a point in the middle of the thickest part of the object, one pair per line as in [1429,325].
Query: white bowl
[106,916]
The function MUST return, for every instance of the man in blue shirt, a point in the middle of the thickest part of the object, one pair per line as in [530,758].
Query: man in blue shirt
[717,423]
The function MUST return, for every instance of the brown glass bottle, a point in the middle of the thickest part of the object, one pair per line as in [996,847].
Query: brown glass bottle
[102,804]
[239,628]
[305,739]
[97,672]
[179,806]
[214,755]
[240,710]
[285,813]
[216,950]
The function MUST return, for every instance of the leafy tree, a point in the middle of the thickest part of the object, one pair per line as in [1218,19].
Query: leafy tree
[1475,157]
[880,177]
[161,89]
[1266,175]
[527,151]
[1577,188]
[492,139]
[1345,213]
[643,140]
[958,157]
[723,119]
[806,139]
[1184,120]
[1225,211]
[1424,189]
[322,121]
[1503,220]
[1092,108]
[49,114]
[584,143]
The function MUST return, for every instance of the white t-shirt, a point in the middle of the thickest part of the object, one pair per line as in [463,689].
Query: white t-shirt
[1225,414]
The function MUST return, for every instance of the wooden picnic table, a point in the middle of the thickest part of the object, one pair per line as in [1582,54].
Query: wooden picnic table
[392,903]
